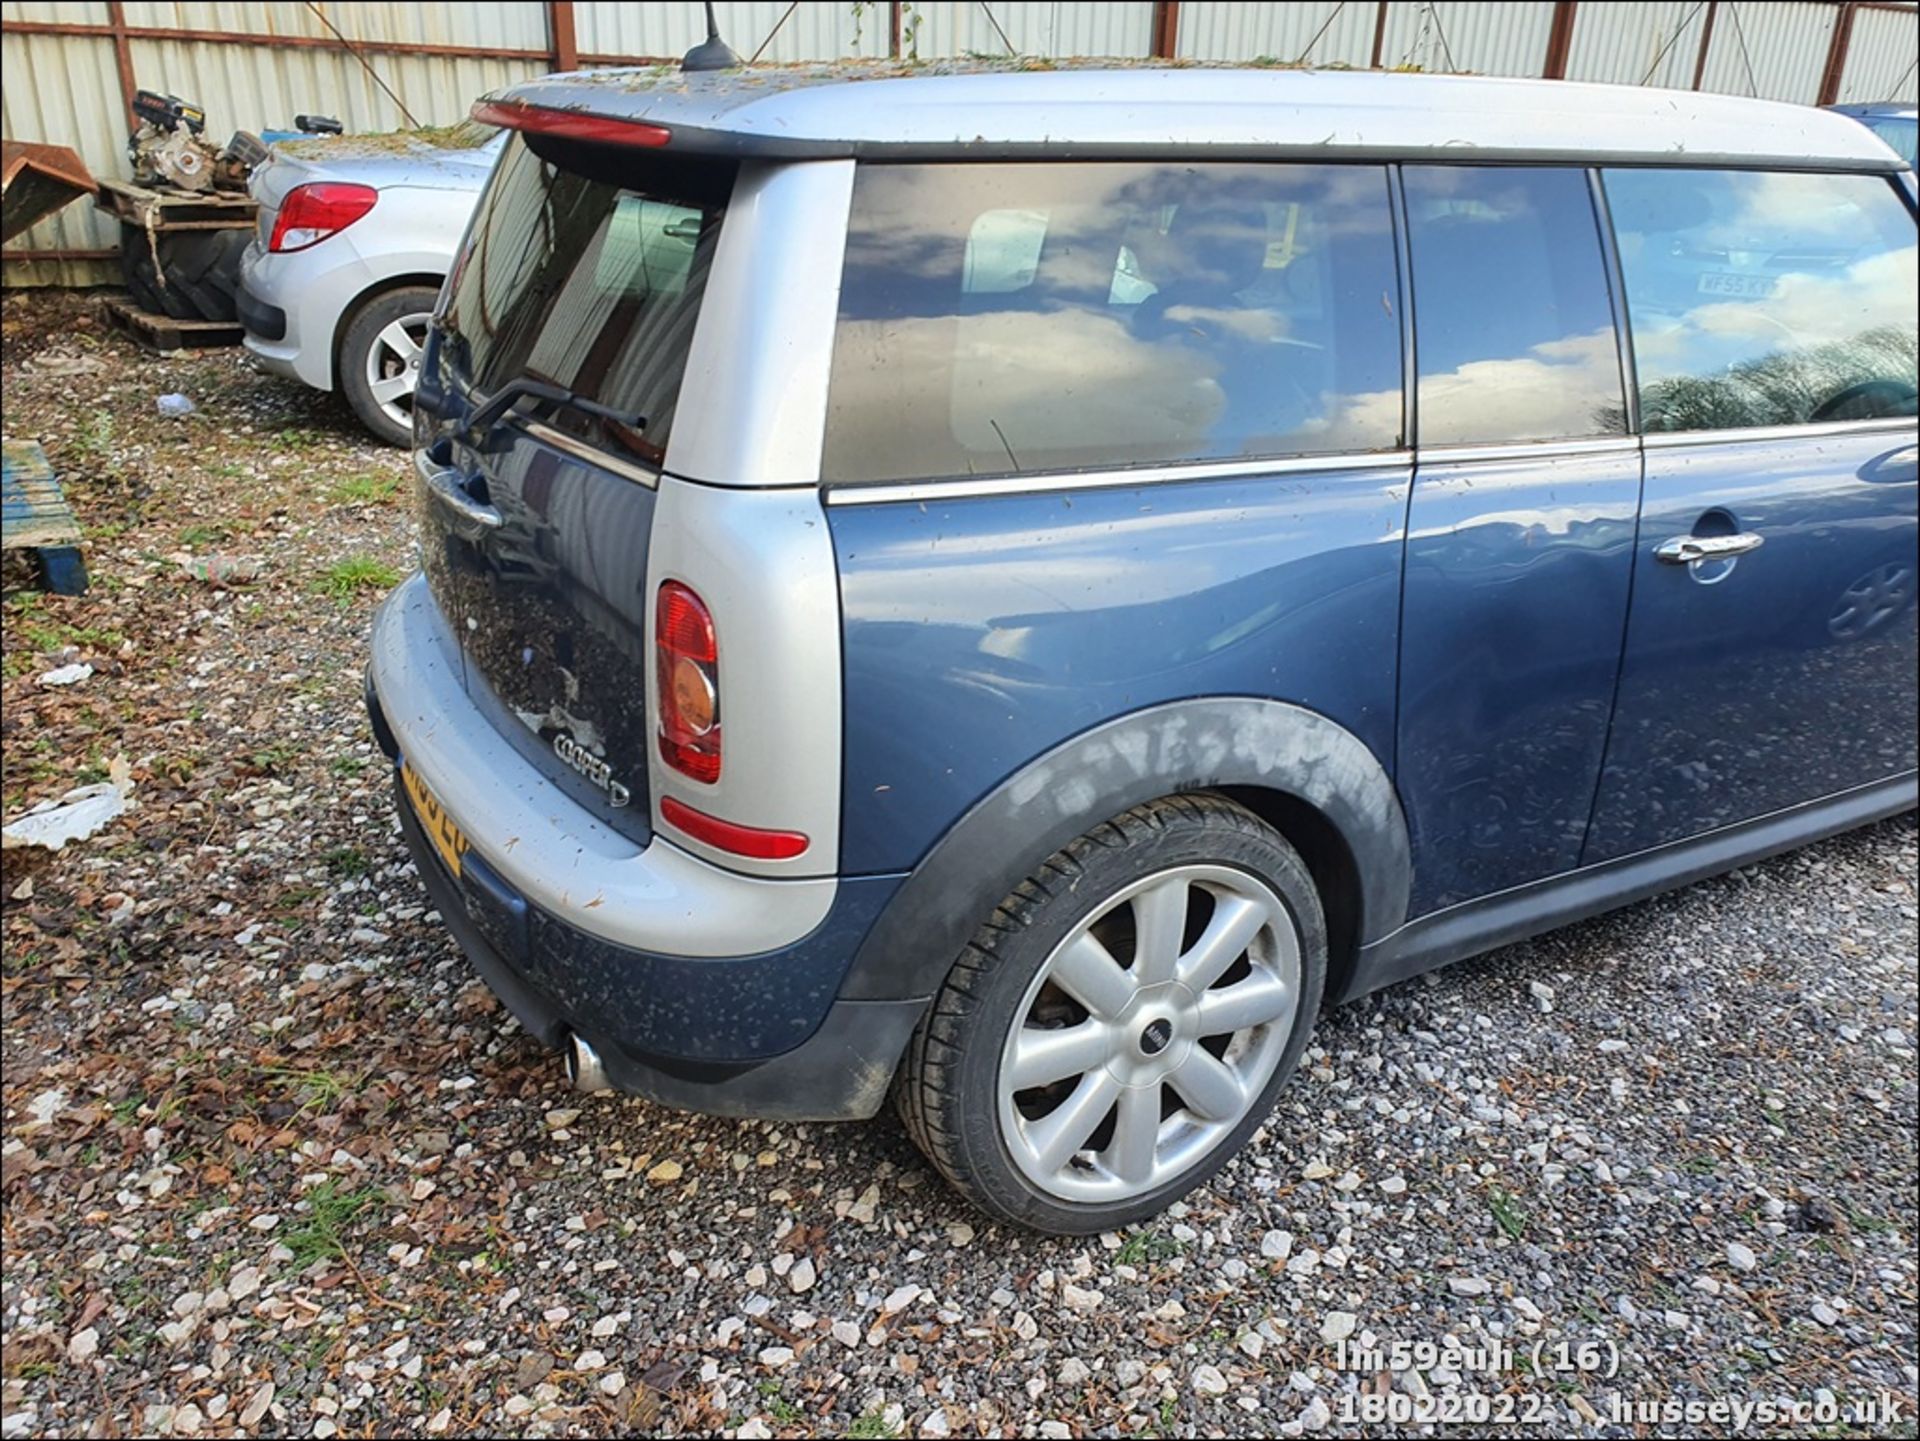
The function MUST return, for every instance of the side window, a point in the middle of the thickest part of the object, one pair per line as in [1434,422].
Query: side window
[1766,299]
[1513,328]
[1002,319]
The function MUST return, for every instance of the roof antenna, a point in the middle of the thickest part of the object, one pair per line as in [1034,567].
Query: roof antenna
[713,53]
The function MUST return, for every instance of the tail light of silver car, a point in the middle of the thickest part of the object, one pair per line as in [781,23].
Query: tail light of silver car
[311,213]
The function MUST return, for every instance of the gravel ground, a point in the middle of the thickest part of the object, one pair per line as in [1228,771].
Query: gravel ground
[275,1163]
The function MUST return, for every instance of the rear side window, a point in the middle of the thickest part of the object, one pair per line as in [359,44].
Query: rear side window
[1514,329]
[1766,299]
[585,268]
[1000,319]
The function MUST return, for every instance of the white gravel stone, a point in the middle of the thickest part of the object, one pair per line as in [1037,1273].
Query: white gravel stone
[1208,1381]
[1740,1257]
[1338,1326]
[1468,1286]
[1276,1245]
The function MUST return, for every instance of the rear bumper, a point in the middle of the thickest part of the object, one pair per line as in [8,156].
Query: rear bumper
[290,306]
[699,987]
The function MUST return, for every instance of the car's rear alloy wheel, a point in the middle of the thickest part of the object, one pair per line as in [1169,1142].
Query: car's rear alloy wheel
[380,358]
[1123,1021]
[1148,1034]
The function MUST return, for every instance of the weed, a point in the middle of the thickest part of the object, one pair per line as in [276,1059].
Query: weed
[1146,1247]
[1510,1217]
[346,861]
[271,760]
[203,534]
[873,1425]
[330,1211]
[368,489]
[346,765]
[345,578]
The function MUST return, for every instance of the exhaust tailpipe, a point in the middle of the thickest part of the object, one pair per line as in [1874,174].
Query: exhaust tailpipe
[584,1068]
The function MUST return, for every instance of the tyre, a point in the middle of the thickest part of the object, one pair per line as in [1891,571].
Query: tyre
[379,360]
[197,276]
[137,270]
[1121,1023]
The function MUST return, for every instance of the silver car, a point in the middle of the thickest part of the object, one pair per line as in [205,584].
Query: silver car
[354,238]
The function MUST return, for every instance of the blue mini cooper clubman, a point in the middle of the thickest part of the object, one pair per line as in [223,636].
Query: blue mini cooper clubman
[1014,590]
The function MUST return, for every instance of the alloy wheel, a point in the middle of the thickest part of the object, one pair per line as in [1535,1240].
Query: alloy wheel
[1149,1033]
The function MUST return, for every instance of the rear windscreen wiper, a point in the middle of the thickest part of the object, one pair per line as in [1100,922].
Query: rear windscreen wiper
[482,422]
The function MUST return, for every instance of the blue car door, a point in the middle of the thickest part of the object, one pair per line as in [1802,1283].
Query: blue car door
[1520,532]
[1771,650]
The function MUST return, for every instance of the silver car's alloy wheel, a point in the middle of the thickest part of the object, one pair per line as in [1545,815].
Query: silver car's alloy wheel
[1149,1033]
[393,365]
[1877,596]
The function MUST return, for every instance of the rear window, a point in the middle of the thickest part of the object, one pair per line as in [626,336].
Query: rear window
[1766,299]
[1002,319]
[585,267]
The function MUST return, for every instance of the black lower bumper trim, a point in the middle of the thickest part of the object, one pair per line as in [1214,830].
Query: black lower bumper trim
[841,1073]
[267,322]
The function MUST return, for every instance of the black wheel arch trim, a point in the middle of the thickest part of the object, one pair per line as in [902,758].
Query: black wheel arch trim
[1163,750]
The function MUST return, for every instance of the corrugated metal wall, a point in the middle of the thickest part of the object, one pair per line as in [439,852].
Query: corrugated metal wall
[1246,30]
[1880,61]
[1642,42]
[1777,50]
[816,31]
[66,89]
[1052,29]
[1447,39]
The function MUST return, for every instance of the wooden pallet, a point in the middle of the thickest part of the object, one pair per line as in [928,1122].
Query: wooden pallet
[34,515]
[163,332]
[169,210]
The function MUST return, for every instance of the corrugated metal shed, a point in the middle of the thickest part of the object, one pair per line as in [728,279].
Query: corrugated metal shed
[1880,61]
[1449,38]
[816,31]
[1776,50]
[1033,27]
[516,24]
[1638,42]
[1243,30]
[66,90]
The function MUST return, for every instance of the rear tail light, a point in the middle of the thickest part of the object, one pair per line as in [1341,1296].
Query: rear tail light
[310,213]
[688,661]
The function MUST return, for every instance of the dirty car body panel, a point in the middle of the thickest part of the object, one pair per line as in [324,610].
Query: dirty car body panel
[829,511]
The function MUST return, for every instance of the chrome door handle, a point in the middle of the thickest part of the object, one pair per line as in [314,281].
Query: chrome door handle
[1686,549]
[472,518]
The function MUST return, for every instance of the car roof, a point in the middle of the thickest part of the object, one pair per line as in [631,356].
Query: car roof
[1063,110]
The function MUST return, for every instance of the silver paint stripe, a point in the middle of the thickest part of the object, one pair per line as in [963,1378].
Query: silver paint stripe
[1666,439]
[592,454]
[1112,479]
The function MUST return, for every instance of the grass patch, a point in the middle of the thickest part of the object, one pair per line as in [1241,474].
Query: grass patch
[345,579]
[346,765]
[1146,1247]
[366,489]
[1507,1214]
[873,1426]
[347,861]
[330,1211]
[203,534]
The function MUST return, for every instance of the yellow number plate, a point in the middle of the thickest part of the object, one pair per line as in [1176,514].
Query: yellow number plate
[447,837]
